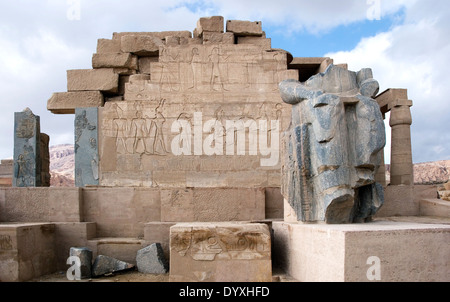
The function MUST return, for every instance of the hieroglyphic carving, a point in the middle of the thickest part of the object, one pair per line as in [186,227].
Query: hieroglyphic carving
[140,132]
[211,243]
[6,242]
[27,160]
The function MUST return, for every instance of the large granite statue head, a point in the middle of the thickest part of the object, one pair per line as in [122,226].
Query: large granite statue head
[333,146]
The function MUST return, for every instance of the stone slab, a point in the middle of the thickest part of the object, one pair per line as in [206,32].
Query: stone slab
[210,24]
[141,45]
[104,79]
[26,251]
[434,207]
[114,60]
[220,252]
[244,28]
[66,102]
[405,251]
[122,248]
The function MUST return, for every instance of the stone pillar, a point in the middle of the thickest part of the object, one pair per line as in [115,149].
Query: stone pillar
[86,147]
[401,154]
[45,160]
[27,163]
[380,177]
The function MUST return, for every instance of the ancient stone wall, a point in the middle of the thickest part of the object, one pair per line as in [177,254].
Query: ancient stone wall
[179,110]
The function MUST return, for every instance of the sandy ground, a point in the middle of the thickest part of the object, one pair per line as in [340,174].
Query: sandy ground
[135,276]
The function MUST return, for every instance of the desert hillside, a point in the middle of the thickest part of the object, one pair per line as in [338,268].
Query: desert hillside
[62,166]
[62,163]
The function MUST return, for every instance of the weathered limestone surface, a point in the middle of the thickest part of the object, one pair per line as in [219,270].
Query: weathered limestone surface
[220,252]
[151,260]
[407,251]
[104,79]
[54,204]
[145,138]
[66,102]
[27,150]
[26,251]
[86,147]
[332,149]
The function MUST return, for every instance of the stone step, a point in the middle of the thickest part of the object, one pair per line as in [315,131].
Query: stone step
[434,207]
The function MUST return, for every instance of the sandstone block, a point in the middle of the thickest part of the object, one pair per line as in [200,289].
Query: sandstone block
[245,28]
[115,60]
[144,64]
[66,102]
[141,45]
[265,43]
[383,251]
[106,46]
[151,260]
[210,24]
[92,79]
[218,38]
[220,252]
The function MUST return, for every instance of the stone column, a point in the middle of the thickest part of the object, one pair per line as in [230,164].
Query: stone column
[45,160]
[401,154]
[27,163]
[380,177]
[86,147]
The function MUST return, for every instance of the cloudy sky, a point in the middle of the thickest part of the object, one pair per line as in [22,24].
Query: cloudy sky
[406,43]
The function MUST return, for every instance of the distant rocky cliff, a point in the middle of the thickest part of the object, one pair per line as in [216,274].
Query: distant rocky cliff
[62,166]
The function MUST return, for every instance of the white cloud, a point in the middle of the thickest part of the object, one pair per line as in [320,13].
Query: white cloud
[414,56]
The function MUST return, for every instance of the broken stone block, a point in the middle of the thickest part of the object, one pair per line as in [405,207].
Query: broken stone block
[104,79]
[114,60]
[85,256]
[209,24]
[218,38]
[66,102]
[151,260]
[107,265]
[245,28]
[220,252]
[141,45]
